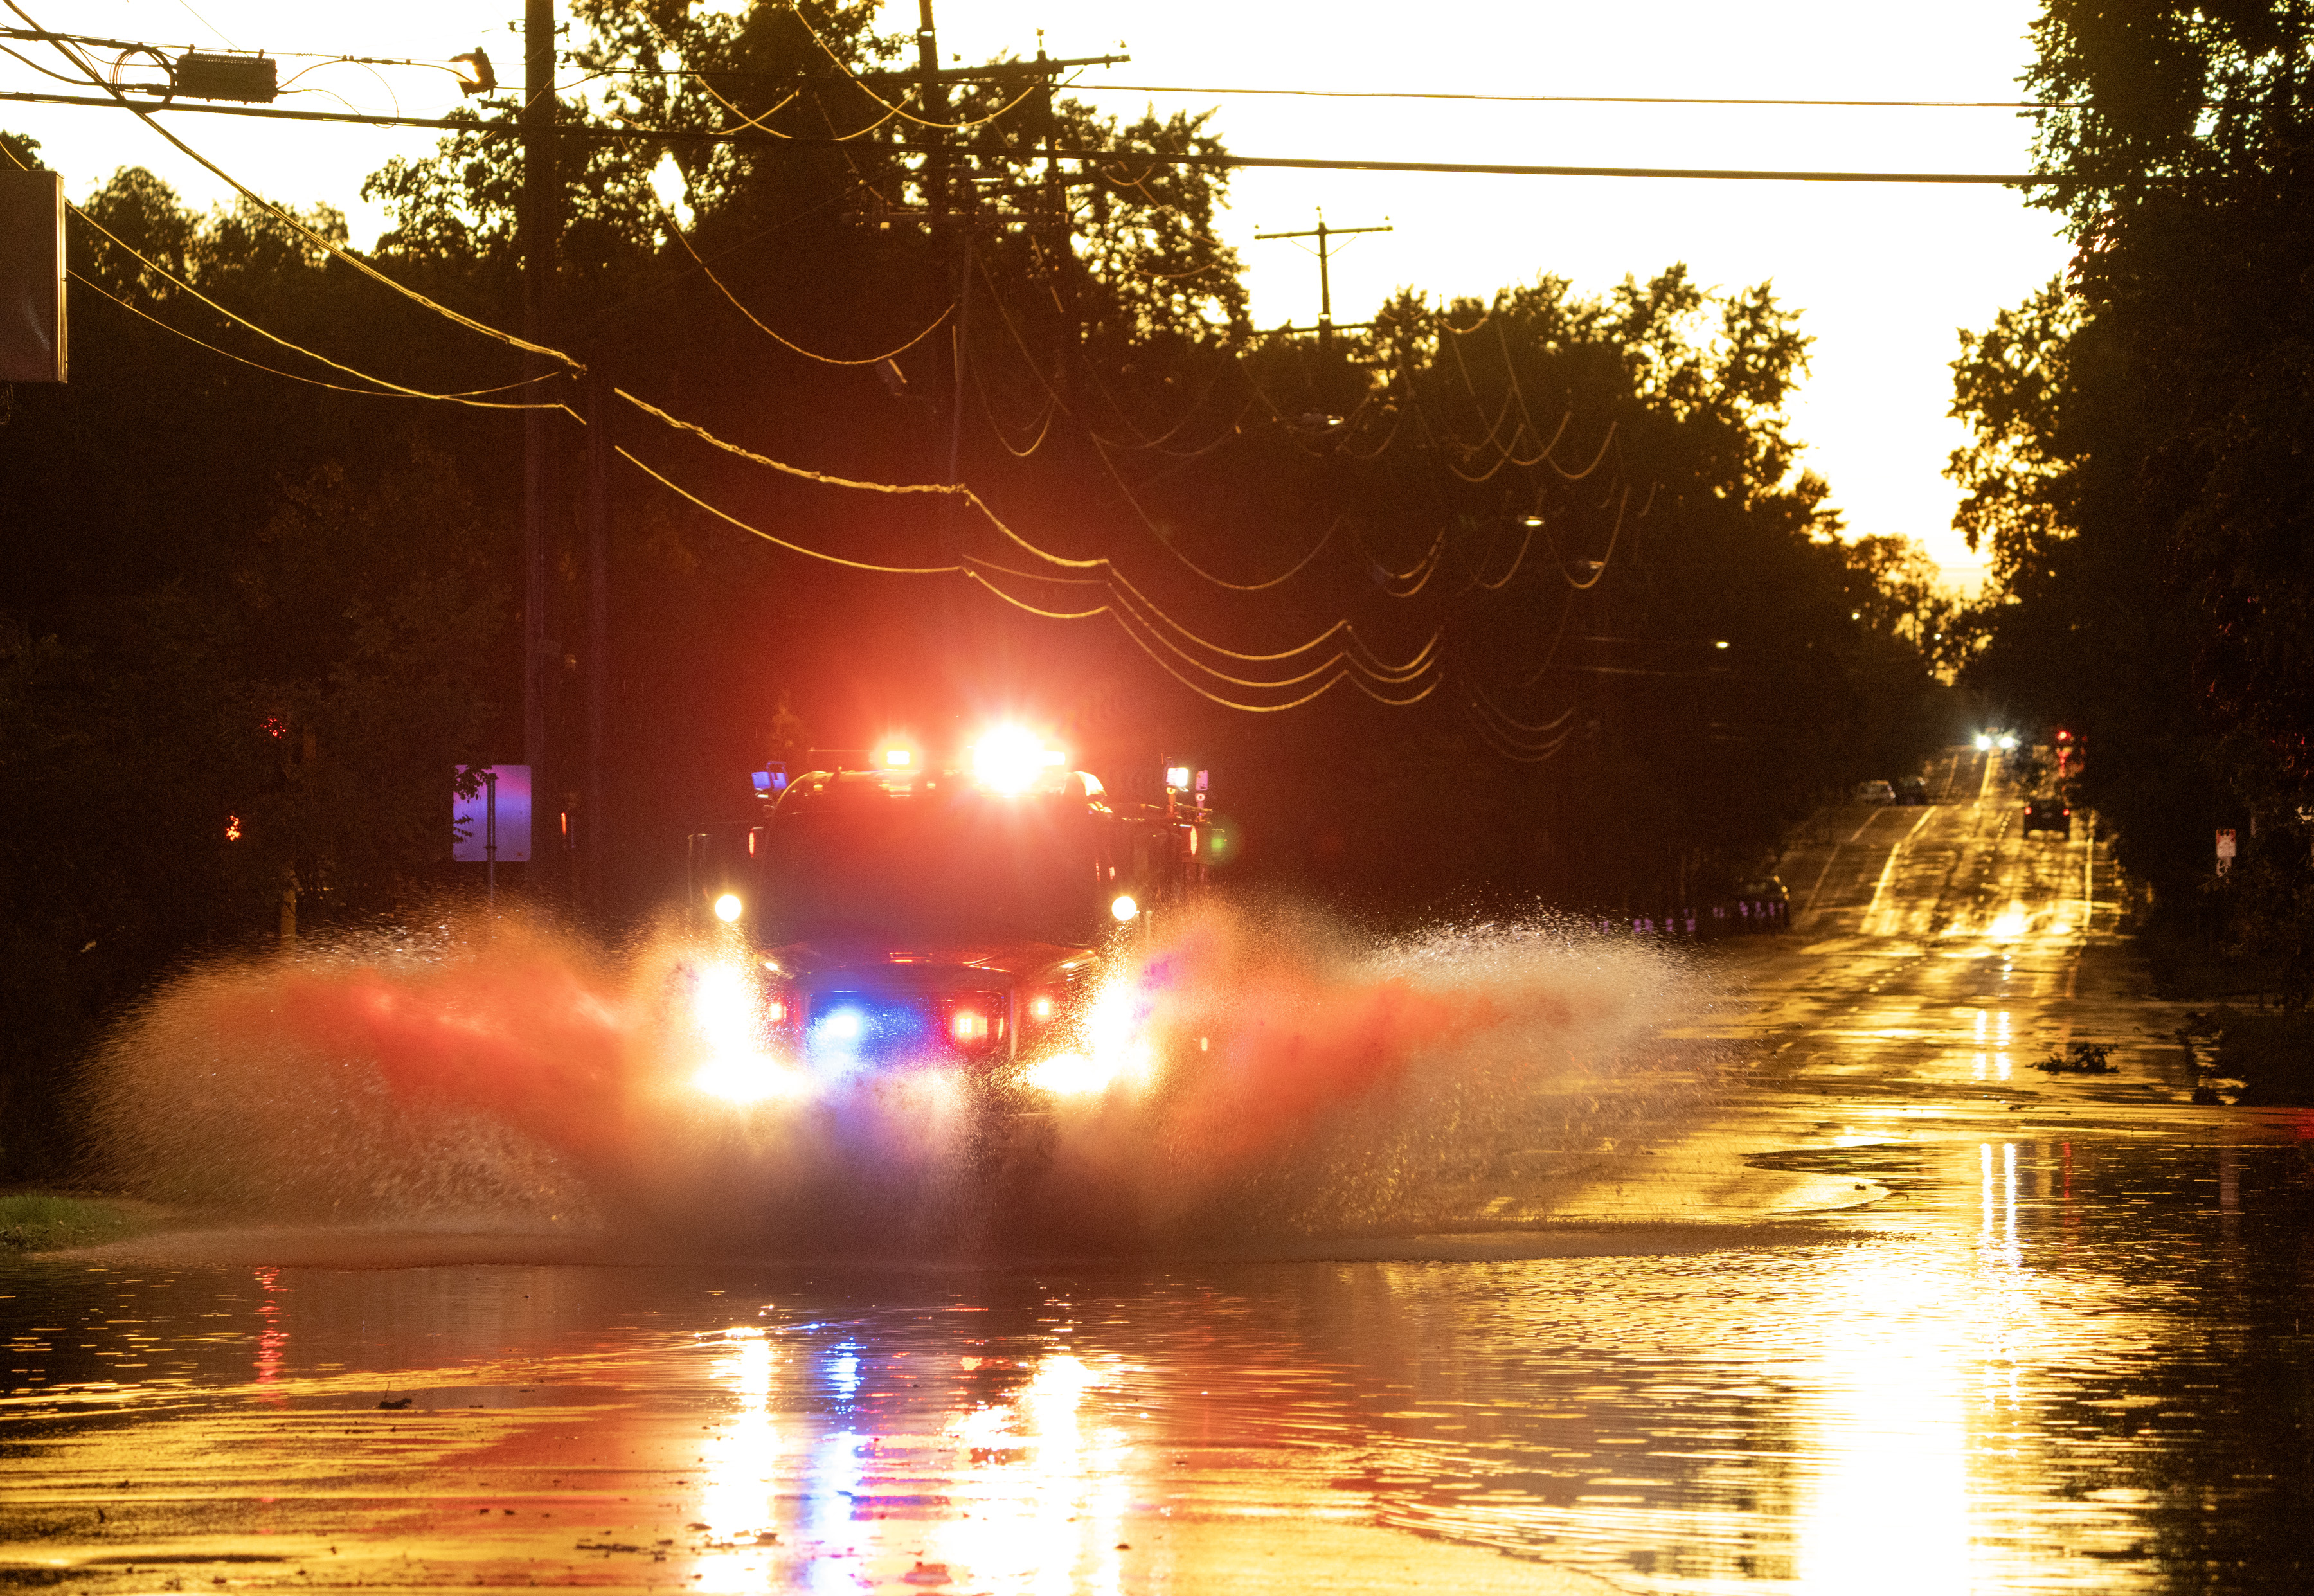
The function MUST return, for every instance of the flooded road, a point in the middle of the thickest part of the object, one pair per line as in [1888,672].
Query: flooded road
[1895,1312]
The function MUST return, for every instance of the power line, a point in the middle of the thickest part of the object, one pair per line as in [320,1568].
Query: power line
[781,339]
[1588,99]
[327,245]
[384,388]
[1323,235]
[1223,162]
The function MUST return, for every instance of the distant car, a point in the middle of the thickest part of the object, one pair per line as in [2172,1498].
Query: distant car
[1911,789]
[1875,793]
[2048,815]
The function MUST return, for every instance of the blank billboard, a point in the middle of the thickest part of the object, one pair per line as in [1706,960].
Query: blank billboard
[32,277]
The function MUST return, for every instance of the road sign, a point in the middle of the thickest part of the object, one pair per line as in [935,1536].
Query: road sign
[469,818]
[2225,850]
[32,277]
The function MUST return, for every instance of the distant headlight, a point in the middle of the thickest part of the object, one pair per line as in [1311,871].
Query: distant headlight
[728,907]
[1124,908]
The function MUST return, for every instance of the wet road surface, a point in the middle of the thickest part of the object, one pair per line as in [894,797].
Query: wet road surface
[1947,1323]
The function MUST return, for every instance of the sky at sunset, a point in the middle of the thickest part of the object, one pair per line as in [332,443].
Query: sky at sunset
[1884,273]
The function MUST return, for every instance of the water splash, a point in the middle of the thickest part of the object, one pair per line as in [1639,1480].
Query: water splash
[1253,1075]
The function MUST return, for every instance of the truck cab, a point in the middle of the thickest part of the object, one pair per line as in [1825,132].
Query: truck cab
[910,910]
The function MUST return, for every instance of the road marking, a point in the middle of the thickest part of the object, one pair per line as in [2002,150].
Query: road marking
[1810,902]
[1888,869]
[2088,872]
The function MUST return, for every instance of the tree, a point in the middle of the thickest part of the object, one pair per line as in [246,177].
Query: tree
[1608,640]
[2140,474]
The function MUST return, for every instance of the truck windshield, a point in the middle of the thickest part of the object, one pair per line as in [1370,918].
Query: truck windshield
[908,868]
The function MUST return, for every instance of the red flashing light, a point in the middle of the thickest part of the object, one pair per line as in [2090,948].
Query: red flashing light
[969,1025]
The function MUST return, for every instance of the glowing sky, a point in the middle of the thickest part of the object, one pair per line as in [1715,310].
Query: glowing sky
[1885,274]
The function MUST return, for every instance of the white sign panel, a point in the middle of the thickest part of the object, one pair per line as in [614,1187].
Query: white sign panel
[32,277]
[2226,845]
[470,819]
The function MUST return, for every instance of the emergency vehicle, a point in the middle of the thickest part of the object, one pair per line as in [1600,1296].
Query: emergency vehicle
[907,909]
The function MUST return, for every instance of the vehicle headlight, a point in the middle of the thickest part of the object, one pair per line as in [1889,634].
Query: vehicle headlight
[728,907]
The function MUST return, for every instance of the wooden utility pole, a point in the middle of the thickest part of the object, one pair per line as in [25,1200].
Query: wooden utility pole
[1322,233]
[932,103]
[594,830]
[538,225]
[932,106]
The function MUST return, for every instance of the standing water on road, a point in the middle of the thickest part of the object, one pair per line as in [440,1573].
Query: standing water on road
[1462,1262]
[2073,1367]
[1249,1077]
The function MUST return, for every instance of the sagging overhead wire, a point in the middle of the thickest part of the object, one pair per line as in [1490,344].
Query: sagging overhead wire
[1420,573]
[1343,667]
[1286,576]
[1543,728]
[1599,566]
[327,245]
[88,283]
[947,489]
[1565,613]
[1526,542]
[857,564]
[761,124]
[1336,671]
[860,84]
[1513,398]
[1042,422]
[1507,747]
[383,387]
[1356,655]
[1102,446]
[1524,742]
[668,220]
[1512,395]
[1012,328]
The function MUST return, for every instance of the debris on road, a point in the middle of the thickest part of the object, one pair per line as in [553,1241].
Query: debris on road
[2083,1058]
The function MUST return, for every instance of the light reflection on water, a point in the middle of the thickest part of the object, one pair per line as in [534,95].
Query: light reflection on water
[1034,1487]
[2050,1364]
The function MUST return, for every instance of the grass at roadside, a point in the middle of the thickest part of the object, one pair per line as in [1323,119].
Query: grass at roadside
[2271,1054]
[39,1221]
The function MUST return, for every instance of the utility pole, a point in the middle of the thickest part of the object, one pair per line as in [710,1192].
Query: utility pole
[934,98]
[952,209]
[593,828]
[1322,233]
[538,227]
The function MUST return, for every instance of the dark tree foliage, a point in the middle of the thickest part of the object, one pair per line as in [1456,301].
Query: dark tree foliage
[2142,477]
[1580,629]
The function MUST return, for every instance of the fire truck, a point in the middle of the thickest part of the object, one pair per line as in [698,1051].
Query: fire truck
[904,909]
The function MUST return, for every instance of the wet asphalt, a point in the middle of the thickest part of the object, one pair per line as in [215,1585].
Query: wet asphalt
[1899,1312]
